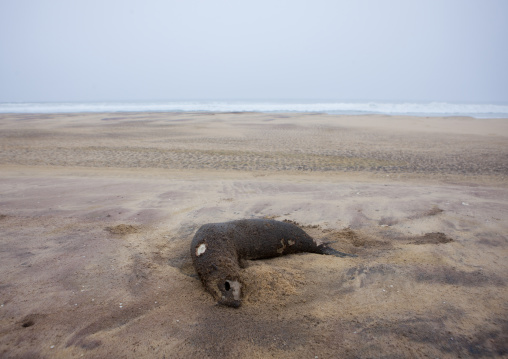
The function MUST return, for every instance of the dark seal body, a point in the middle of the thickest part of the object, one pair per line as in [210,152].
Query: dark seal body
[217,249]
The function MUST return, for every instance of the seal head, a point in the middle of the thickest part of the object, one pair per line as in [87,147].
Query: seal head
[215,259]
[222,280]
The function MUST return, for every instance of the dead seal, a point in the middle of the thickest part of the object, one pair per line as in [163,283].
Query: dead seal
[218,248]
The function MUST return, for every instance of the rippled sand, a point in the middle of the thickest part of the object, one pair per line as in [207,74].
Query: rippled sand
[97,212]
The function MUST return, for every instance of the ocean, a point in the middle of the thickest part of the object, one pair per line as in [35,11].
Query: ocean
[430,109]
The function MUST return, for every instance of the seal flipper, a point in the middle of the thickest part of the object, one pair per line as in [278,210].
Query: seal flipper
[325,249]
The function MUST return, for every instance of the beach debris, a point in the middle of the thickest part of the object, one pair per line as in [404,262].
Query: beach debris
[123,229]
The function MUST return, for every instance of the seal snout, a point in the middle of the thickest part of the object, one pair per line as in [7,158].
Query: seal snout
[231,293]
[235,287]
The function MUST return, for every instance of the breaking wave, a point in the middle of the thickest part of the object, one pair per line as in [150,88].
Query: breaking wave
[346,108]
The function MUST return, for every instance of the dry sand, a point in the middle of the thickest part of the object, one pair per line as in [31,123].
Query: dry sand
[97,212]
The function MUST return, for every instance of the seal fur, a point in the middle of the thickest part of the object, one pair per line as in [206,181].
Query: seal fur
[218,248]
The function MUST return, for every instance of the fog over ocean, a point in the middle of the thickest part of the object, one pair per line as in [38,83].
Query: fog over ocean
[428,58]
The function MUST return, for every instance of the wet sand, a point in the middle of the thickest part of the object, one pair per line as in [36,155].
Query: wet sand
[97,212]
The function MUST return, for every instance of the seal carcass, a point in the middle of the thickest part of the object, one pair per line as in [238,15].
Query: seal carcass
[217,249]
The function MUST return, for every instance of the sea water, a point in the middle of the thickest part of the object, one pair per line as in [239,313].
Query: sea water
[329,107]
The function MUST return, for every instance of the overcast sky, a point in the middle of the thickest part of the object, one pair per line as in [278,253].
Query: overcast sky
[148,50]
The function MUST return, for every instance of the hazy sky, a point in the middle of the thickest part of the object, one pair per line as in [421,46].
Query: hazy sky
[105,50]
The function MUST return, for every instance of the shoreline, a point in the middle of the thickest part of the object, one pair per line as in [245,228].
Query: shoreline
[419,109]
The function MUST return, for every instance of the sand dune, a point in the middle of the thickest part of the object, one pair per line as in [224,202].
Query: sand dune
[97,212]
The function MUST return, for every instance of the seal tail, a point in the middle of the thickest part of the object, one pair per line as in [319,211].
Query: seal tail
[325,249]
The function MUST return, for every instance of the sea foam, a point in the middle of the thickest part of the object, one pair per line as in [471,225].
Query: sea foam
[346,108]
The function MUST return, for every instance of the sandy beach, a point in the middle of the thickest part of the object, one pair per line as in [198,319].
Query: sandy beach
[97,211]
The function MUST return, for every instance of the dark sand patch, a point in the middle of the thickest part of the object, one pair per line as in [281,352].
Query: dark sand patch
[432,238]
[123,229]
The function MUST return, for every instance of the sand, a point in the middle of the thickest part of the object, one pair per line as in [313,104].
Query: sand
[97,212]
